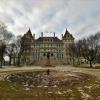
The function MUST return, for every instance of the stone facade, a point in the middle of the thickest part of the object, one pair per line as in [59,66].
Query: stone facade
[36,50]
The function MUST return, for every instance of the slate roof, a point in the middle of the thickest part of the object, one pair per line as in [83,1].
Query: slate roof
[48,39]
[67,35]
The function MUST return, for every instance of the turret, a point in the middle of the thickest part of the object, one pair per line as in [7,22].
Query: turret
[68,36]
[29,33]
[68,39]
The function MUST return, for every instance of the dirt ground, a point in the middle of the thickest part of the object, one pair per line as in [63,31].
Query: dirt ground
[89,90]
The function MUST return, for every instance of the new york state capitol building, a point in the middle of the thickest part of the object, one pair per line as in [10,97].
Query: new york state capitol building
[37,50]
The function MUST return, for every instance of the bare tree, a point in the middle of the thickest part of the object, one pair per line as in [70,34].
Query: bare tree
[97,37]
[75,51]
[72,53]
[11,52]
[2,52]
[89,49]
[19,49]
[5,39]
[78,47]
[5,35]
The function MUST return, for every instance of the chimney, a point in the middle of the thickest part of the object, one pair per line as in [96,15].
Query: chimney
[54,34]
[41,34]
[34,36]
[62,36]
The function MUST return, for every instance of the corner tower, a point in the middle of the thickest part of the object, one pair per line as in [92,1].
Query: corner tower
[67,39]
[26,47]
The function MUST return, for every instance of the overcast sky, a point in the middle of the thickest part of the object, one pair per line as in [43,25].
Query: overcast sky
[80,17]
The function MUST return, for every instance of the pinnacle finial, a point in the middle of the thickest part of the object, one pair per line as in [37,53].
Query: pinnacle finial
[29,30]
[54,34]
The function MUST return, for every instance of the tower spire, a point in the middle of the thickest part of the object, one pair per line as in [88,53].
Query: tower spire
[54,34]
[67,35]
[29,30]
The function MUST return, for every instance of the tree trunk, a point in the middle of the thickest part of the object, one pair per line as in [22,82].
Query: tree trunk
[73,61]
[78,60]
[14,61]
[2,61]
[90,64]
[1,65]
[10,61]
[18,60]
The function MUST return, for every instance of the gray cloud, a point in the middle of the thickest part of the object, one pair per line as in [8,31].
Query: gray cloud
[81,17]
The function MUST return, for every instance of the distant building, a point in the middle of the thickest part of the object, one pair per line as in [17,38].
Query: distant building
[36,50]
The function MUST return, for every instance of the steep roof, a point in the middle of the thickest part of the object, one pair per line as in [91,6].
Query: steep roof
[29,33]
[27,39]
[67,35]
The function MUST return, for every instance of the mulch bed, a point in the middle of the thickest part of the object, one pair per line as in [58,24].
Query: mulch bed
[43,78]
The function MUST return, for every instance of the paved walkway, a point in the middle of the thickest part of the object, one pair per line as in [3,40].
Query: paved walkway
[95,72]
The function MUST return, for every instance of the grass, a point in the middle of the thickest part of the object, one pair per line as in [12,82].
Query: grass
[90,90]
[95,66]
